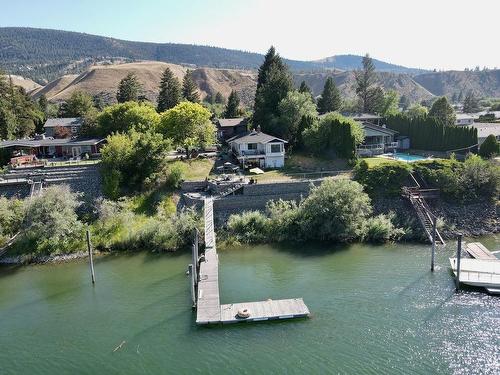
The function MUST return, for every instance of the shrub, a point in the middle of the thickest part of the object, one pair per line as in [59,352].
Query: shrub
[11,217]
[334,211]
[248,227]
[51,224]
[381,229]
[119,228]
[283,220]
[490,147]
[471,180]
[385,178]
[336,134]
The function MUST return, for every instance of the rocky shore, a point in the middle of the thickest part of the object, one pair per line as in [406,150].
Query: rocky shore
[472,219]
[41,259]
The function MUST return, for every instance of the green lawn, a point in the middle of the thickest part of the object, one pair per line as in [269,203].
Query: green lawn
[196,169]
[372,162]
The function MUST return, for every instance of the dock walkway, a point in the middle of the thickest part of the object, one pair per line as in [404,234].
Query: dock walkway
[208,307]
[478,251]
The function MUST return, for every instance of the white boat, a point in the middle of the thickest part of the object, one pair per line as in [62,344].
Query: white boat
[479,272]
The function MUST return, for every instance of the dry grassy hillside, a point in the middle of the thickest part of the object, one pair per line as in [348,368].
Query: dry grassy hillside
[482,83]
[25,83]
[402,83]
[103,81]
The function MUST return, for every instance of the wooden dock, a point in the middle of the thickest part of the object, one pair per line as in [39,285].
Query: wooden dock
[478,251]
[208,307]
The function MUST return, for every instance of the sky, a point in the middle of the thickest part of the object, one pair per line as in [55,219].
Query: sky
[430,34]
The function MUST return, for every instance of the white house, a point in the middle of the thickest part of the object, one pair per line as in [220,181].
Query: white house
[464,119]
[259,149]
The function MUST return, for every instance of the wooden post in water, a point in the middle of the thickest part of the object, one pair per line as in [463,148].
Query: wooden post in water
[195,256]
[91,260]
[191,281]
[459,254]
[434,230]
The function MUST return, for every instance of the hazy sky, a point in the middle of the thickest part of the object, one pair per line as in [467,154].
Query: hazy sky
[441,34]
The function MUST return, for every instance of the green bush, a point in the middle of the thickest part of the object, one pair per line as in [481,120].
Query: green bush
[51,224]
[385,178]
[335,211]
[470,180]
[335,134]
[382,229]
[490,147]
[12,213]
[118,228]
[248,227]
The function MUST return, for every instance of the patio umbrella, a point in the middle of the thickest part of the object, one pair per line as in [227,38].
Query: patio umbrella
[256,171]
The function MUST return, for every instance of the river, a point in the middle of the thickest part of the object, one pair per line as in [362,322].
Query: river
[375,310]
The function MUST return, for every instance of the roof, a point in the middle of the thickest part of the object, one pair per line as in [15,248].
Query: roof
[365,116]
[484,129]
[65,122]
[50,142]
[255,137]
[378,128]
[230,122]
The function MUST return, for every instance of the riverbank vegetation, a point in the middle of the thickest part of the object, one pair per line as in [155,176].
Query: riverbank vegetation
[338,210]
[55,223]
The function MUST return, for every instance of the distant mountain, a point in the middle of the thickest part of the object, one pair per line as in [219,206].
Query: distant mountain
[44,55]
[484,83]
[352,62]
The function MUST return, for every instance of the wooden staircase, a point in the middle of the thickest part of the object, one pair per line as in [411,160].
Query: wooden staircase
[417,196]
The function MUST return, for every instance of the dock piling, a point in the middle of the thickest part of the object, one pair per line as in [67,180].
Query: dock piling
[459,253]
[434,230]
[91,259]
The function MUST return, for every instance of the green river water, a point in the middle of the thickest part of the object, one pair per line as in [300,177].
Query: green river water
[375,310]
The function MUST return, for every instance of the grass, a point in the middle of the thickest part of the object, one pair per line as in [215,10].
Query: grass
[372,162]
[196,169]
[301,163]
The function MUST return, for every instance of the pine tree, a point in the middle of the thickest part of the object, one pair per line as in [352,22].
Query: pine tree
[43,103]
[170,91]
[219,98]
[274,83]
[128,89]
[365,80]
[304,88]
[271,58]
[330,100]
[471,103]
[233,106]
[189,88]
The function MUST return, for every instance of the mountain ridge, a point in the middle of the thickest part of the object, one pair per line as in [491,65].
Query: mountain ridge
[45,54]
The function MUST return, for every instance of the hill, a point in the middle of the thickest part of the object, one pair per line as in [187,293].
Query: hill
[402,83]
[26,83]
[484,83]
[44,55]
[102,81]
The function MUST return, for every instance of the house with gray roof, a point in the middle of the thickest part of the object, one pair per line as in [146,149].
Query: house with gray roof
[71,124]
[255,148]
[230,127]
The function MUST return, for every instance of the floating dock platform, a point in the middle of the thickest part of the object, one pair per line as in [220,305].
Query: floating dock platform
[208,307]
[482,270]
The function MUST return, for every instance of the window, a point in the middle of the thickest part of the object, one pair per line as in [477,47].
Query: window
[252,146]
[275,148]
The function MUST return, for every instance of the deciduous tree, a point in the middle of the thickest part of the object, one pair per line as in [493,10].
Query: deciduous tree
[442,111]
[188,125]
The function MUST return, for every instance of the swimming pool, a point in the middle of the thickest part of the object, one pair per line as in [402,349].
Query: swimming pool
[404,157]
